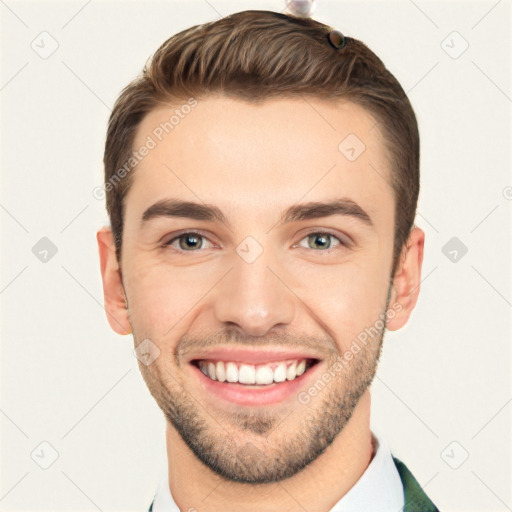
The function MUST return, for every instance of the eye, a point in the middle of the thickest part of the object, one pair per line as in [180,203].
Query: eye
[189,241]
[320,240]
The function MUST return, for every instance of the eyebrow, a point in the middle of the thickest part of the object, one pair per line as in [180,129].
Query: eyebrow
[314,210]
[298,212]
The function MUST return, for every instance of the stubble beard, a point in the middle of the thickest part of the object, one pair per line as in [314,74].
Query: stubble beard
[257,446]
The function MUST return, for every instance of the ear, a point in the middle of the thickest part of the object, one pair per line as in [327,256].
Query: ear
[406,281]
[113,289]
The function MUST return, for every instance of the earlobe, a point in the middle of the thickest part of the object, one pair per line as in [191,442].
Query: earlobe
[406,281]
[113,288]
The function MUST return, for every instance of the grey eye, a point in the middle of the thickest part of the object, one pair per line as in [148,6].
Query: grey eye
[321,241]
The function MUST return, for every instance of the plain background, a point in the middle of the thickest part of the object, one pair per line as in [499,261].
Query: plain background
[443,387]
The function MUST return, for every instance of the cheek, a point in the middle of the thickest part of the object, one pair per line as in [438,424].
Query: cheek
[163,298]
[346,299]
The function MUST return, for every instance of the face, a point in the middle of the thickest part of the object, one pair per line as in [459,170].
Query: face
[256,253]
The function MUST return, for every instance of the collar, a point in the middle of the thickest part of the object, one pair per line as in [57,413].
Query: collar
[379,489]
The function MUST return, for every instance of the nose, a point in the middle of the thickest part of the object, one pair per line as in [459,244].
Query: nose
[254,298]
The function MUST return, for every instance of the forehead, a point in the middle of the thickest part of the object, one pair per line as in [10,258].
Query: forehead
[241,155]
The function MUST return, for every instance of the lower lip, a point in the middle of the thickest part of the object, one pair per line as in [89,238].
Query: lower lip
[241,394]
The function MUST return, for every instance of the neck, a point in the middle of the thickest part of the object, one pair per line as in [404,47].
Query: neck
[319,486]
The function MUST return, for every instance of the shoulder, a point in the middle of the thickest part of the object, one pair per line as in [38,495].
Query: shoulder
[414,497]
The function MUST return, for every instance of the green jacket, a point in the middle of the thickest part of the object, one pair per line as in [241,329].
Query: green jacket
[414,497]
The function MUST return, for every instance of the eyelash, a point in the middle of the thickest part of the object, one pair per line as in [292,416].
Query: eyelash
[332,236]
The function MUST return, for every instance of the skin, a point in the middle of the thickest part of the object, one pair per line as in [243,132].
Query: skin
[252,162]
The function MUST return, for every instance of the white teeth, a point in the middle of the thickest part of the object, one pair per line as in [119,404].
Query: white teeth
[264,375]
[231,372]
[251,374]
[211,371]
[246,374]
[280,373]
[220,371]
[291,371]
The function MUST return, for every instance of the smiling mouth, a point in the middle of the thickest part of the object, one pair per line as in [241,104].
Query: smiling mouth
[254,375]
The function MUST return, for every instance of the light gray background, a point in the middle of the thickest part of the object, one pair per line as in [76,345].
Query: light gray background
[70,381]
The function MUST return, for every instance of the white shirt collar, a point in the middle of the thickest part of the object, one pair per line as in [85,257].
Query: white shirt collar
[378,490]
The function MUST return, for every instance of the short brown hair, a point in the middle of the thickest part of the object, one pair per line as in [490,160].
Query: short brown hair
[254,55]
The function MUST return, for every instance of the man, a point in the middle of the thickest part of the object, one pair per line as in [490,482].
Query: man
[262,177]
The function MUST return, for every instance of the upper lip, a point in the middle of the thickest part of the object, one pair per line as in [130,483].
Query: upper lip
[251,356]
